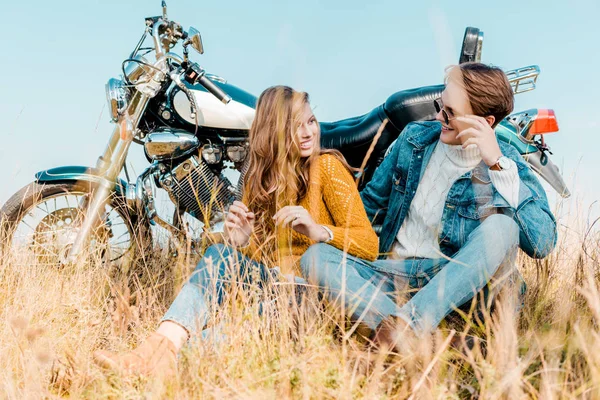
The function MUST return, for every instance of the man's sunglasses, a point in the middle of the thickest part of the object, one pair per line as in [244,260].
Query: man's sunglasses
[439,106]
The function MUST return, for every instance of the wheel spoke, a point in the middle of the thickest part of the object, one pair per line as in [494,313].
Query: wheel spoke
[118,243]
[67,200]
[42,210]
[123,234]
[30,227]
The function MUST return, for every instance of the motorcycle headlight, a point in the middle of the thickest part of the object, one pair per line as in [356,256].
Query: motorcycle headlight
[117,96]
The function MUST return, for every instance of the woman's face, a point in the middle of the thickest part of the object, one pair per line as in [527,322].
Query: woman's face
[308,132]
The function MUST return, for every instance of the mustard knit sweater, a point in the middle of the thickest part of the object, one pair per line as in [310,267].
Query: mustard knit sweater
[332,200]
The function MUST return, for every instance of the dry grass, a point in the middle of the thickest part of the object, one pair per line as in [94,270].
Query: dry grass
[52,321]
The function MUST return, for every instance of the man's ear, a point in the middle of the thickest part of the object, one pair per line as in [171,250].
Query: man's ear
[490,120]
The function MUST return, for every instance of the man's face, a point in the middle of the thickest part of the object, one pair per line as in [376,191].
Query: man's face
[456,104]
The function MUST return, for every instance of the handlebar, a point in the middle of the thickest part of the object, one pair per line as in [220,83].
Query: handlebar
[156,36]
[214,89]
[195,74]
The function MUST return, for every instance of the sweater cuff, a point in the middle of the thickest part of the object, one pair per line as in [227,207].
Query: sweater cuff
[507,183]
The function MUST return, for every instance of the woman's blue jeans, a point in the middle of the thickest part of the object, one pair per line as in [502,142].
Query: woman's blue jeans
[369,290]
[206,287]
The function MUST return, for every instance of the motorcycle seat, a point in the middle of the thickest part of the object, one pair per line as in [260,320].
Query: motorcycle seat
[353,136]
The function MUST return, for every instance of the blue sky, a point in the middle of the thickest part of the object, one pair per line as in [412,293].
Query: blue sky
[349,55]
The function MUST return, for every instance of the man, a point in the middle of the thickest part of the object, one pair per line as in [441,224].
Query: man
[454,205]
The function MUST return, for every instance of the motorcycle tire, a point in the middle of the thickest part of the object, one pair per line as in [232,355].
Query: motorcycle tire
[34,196]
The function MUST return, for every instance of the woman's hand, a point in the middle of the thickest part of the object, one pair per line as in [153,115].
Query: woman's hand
[239,224]
[299,219]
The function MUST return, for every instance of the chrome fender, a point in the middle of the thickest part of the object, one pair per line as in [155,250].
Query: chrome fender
[541,163]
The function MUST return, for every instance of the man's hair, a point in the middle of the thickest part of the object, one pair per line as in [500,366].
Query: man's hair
[487,88]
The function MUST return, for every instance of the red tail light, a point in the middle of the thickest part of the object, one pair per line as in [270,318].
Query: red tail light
[545,122]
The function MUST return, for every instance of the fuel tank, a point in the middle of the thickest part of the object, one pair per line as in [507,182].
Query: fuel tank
[211,113]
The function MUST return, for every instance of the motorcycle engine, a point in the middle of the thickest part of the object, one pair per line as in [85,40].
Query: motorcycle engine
[195,188]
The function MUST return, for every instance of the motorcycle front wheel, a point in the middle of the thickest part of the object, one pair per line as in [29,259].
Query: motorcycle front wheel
[40,223]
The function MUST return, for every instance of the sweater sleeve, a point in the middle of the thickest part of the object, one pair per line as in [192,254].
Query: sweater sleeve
[507,183]
[352,231]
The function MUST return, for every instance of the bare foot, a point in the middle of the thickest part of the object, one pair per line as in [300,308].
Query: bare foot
[156,356]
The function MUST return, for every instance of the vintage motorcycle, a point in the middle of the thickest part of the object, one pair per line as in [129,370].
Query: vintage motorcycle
[193,127]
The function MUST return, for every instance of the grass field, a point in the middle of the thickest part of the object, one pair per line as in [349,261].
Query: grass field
[53,319]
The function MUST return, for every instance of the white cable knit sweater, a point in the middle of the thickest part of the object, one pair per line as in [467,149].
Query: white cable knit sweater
[418,235]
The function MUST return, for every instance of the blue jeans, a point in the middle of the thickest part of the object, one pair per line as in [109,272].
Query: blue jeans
[206,287]
[369,290]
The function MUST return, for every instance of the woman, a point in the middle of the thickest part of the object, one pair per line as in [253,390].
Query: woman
[295,195]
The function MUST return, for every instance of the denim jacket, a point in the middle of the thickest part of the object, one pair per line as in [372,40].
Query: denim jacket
[472,197]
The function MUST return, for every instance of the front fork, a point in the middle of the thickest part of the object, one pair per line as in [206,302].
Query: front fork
[109,165]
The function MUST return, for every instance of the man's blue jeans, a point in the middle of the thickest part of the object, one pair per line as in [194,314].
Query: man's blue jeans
[369,290]
[220,266]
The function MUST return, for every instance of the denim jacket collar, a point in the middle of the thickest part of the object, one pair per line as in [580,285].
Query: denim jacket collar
[420,138]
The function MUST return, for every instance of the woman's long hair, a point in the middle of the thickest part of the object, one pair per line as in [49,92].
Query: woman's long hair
[277,175]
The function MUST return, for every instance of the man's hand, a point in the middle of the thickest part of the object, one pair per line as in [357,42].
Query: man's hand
[239,224]
[300,220]
[481,134]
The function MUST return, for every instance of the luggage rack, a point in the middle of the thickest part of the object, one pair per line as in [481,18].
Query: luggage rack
[523,79]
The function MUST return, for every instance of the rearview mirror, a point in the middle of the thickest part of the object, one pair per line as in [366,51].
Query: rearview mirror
[195,40]
[163,4]
[471,47]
